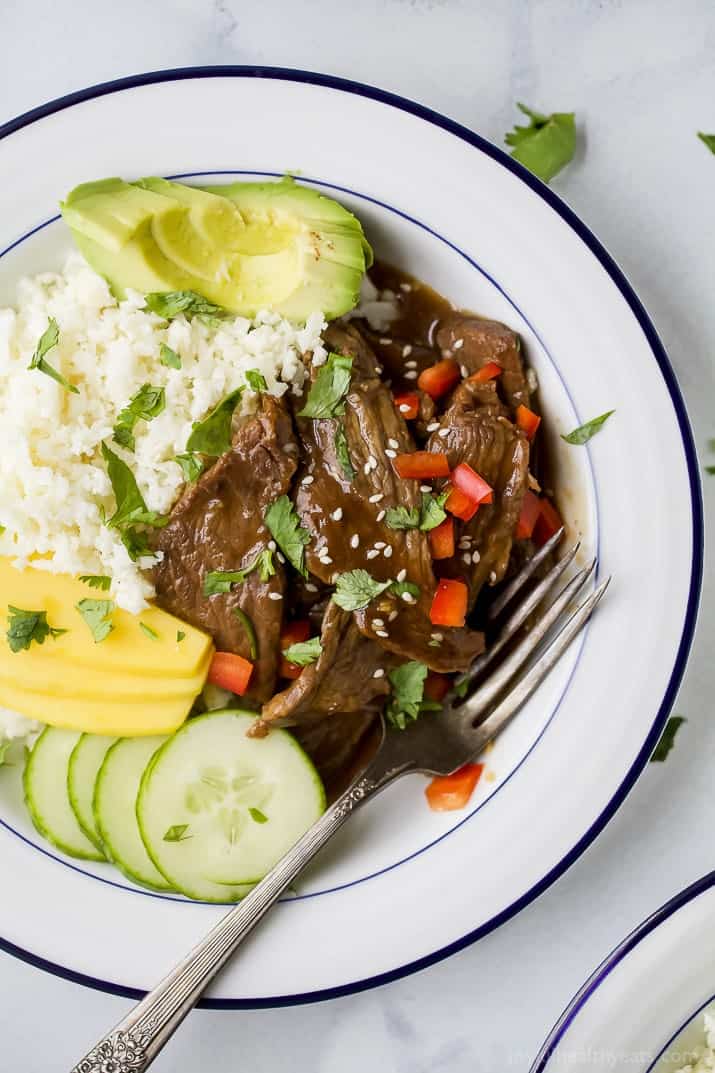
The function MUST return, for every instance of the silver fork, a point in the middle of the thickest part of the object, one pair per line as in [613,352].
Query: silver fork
[434,745]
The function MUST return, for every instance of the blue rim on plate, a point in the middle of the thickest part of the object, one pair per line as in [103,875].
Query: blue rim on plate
[660,356]
[617,955]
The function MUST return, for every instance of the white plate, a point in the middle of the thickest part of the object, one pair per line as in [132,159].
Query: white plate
[436,198]
[641,1009]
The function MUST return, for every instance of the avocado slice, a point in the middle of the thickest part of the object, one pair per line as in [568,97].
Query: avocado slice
[245,246]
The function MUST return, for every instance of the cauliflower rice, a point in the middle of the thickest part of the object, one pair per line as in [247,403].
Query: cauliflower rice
[702,1059]
[54,488]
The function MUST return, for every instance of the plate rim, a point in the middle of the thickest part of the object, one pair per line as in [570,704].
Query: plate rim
[619,279]
[617,955]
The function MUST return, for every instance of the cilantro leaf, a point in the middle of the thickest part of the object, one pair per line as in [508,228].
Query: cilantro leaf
[356,588]
[427,516]
[135,541]
[256,381]
[191,465]
[398,588]
[180,635]
[342,452]
[151,634]
[24,627]
[169,357]
[146,403]
[546,145]
[257,815]
[328,390]
[285,528]
[97,581]
[220,581]
[48,340]
[583,433]
[169,304]
[667,740]
[408,685]
[708,139]
[126,490]
[212,436]
[250,631]
[177,833]
[97,615]
[304,652]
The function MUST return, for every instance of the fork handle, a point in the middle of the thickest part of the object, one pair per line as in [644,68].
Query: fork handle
[133,1044]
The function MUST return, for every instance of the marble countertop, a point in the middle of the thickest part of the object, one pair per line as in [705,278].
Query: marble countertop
[640,75]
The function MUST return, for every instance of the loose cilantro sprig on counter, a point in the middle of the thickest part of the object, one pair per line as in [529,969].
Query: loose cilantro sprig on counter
[667,739]
[707,139]
[546,145]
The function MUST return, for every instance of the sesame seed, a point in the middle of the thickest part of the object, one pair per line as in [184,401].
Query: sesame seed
[366,468]
[372,461]
[378,622]
[310,587]
[425,488]
[402,575]
[337,514]
[404,408]
[271,545]
[376,497]
[406,351]
[392,616]
[433,426]
[465,542]
[354,541]
[464,370]
[411,374]
[437,636]
[385,342]
[387,552]
[467,558]
[308,480]
[408,597]
[372,554]
[410,364]
[492,578]
[443,433]
[275,596]
[475,556]
[392,442]
[378,370]
[382,633]
[381,515]
[326,560]
[406,287]
[291,448]
[390,453]
[280,557]
[380,544]
[458,344]
[379,673]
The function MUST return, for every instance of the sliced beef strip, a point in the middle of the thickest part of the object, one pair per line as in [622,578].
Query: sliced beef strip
[474,342]
[337,511]
[341,680]
[480,433]
[218,525]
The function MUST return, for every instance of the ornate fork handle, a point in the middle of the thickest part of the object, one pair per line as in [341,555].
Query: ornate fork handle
[134,1043]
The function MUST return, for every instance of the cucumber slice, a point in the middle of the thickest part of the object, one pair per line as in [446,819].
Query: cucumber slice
[45,784]
[217,807]
[85,762]
[114,805]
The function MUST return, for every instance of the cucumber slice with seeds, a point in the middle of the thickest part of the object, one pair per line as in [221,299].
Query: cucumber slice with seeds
[114,805]
[216,807]
[85,762]
[46,796]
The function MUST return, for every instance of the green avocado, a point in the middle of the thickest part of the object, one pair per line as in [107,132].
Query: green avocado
[246,246]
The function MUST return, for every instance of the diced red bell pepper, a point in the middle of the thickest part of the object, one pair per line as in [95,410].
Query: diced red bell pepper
[437,686]
[530,511]
[487,372]
[441,539]
[548,522]
[449,604]
[408,405]
[230,671]
[466,480]
[527,421]
[459,504]
[438,379]
[292,634]
[448,792]
[422,465]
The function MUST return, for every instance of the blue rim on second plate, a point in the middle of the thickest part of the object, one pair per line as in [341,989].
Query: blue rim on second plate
[661,358]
